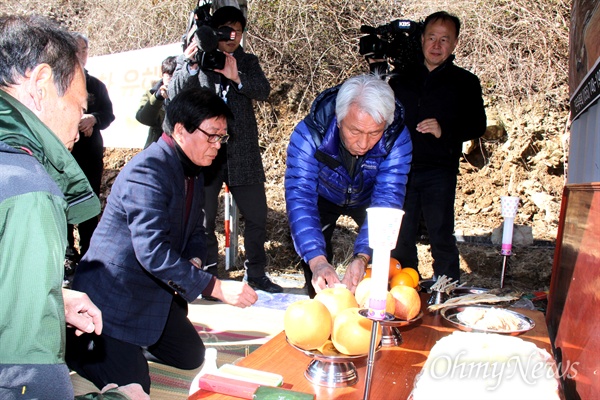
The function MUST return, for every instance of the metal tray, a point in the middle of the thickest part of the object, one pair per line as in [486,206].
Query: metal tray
[450,314]
[337,357]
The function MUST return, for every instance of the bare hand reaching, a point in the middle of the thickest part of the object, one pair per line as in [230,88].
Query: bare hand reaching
[324,274]
[81,313]
[236,293]
[354,274]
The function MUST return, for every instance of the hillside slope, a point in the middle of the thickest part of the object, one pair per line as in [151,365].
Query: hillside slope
[518,49]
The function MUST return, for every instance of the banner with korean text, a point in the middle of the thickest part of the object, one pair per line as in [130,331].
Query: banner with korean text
[127,77]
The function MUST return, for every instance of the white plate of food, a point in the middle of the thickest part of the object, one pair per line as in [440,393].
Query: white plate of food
[487,319]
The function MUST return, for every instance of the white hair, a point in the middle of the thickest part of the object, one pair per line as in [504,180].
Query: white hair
[369,93]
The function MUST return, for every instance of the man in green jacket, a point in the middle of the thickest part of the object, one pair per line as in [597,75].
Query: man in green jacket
[42,98]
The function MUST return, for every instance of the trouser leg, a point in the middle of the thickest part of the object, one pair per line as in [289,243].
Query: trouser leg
[103,360]
[180,345]
[328,216]
[212,188]
[438,211]
[252,202]
[406,246]
[86,230]
[90,157]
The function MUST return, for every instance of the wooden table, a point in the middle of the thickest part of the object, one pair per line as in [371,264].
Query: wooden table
[394,370]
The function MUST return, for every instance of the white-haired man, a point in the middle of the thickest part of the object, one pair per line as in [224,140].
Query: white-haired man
[351,152]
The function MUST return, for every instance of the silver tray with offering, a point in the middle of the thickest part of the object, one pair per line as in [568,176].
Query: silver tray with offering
[391,335]
[492,296]
[329,367]
[487,319]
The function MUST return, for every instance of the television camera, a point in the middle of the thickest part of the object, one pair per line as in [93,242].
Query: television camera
[206,38]
[397,43]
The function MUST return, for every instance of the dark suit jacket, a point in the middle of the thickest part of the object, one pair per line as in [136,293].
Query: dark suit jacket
[139,254]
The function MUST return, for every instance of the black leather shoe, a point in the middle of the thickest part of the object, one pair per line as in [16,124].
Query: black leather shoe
[265,284]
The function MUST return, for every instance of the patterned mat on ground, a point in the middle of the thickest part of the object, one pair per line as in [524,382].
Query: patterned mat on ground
[167,382]
[234,332]
[172,383]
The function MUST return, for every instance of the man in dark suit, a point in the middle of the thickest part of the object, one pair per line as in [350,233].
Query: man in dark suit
[146,256]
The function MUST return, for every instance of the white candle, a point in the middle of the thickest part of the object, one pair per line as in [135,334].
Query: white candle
[509,205]
[379,283]
[384,225]
[507,233]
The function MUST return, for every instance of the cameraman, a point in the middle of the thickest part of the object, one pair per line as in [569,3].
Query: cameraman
[239,162]
[444,108]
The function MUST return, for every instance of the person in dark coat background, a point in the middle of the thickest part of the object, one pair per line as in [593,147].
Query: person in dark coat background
[154,101]
[444,108]
[89,150]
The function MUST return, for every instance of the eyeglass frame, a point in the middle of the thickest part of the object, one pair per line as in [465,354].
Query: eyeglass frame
[210,137]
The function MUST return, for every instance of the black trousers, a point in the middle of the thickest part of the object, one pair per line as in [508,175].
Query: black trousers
[103,359]
[329,213]
[252,203]
[430,192]
[89,154]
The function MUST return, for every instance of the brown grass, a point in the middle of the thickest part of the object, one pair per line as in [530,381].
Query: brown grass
[518,49]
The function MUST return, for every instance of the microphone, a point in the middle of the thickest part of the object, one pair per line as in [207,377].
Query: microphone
[206,39]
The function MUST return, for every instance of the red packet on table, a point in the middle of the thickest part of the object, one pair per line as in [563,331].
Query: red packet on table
[229,386]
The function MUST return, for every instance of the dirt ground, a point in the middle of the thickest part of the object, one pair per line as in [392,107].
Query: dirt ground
[477,214]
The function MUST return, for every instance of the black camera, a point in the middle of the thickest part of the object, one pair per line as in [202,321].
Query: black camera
[206,38]
[398,43]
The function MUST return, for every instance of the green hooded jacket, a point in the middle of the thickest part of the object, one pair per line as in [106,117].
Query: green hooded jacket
[41,187]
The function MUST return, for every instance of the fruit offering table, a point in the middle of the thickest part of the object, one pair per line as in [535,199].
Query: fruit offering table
[395,367]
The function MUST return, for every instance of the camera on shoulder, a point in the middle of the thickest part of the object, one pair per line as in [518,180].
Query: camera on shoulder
[199,31]
[397,43]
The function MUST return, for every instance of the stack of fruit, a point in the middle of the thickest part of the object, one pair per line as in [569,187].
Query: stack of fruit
[331,322]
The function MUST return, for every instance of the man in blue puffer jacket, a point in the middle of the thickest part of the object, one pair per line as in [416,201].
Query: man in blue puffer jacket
[351,152]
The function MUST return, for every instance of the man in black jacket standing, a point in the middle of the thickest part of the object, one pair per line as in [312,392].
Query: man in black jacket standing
[444,108]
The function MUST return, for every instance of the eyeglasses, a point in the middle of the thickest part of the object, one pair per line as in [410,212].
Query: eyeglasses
[213,138]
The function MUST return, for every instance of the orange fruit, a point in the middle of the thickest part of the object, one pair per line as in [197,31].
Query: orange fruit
[351,333]
[307,324]
[413,273]
[336,299]
[407,302]
[404,279]
[395,267]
